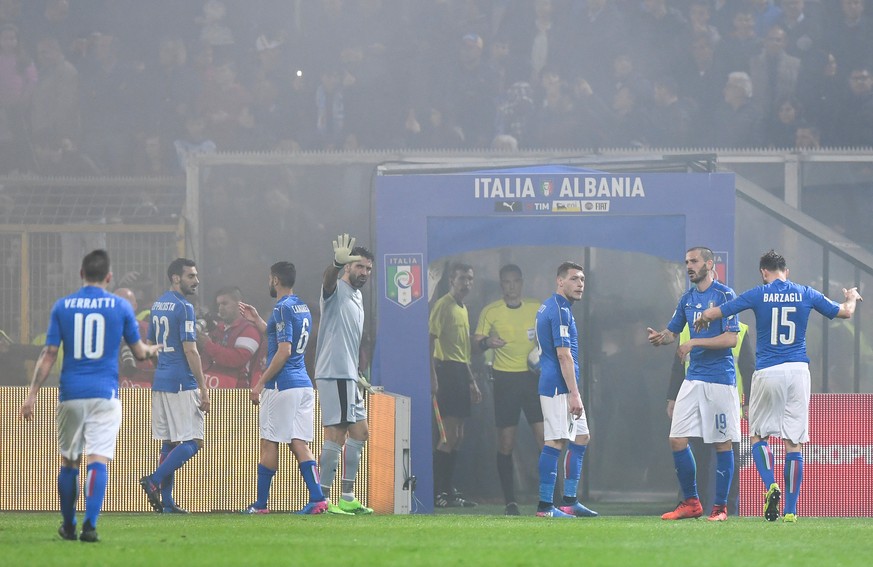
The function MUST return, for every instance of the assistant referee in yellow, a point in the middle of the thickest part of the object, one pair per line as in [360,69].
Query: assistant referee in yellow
[508,328]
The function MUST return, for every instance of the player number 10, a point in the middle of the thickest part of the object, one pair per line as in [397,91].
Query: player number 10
[89,333]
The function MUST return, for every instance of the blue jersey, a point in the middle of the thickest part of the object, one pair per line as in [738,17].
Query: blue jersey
[782,311]
[289,323]
[556,327]
[91,324]
[171,324]
[707,364]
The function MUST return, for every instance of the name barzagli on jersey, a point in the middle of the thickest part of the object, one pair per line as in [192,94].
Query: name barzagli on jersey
[587,187]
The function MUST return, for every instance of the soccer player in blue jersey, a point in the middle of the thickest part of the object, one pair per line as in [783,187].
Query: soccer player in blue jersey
[179,394]
[284,391]
[707,405]
[91,324]
[564,421]
[779,403]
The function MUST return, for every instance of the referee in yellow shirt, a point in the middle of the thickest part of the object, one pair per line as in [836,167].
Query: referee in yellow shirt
[508,326]
[451,379]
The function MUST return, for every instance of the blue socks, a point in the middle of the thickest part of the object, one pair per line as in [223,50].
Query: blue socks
[68,491]
[309,471]
[724,472]
[167,483]
[573,471]
[265,479]
[95,491]
[764,462]
[686,472]
[793,478]
[180,454]
[548,467]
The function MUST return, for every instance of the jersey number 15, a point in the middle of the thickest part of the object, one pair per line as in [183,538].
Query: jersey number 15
[779,320]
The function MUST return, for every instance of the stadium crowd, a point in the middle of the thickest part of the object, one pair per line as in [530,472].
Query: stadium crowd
[91,87]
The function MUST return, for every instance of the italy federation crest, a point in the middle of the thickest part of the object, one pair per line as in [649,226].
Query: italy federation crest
[403,279]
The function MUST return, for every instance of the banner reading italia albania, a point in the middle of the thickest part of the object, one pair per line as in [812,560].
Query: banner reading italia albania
[837,461]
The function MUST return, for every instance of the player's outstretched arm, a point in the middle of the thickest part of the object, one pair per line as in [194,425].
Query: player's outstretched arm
[250,314]
[847,308]
[43,367]
[659,338]
[707,317]
[143,351]
[342,255]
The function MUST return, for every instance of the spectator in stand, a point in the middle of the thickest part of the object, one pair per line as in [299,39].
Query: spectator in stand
[534,38]
[737,120]
[656,33]
[765,13]
[596,24]
[429,128]
[781,131]
[629,123]
[516,112]
[171,88]
[850,37]
[803,28]
[470,91]
[741,44]
[672,118]
[330,108]
[699,14]
[194,142]
[54,110]
[106,87]
[555,124]
[773,73]
[228,349]
[856,112]
[820,89]
[17,80]
[807,137]
[223,103]
[700,77]
[626,74]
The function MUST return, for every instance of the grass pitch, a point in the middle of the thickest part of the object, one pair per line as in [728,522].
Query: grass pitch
[443,539]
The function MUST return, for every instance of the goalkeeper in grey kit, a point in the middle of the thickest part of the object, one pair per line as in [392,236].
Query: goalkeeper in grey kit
[338,365]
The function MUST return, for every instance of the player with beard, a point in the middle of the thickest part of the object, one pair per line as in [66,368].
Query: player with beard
[708,404]
[339,365]
[179,394]
[284,391]
[779,404]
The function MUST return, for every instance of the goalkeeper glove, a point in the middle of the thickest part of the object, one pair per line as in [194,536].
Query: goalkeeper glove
[342,251]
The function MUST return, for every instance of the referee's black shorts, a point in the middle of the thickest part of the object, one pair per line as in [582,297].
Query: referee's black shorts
[453,392]
[515,392]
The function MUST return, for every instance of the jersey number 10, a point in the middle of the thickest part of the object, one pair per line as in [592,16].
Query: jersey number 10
[89,334]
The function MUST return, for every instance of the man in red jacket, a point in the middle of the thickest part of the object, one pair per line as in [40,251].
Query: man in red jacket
[228,350]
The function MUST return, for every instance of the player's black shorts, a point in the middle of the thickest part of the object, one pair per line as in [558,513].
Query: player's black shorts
[515,392]
[453,394]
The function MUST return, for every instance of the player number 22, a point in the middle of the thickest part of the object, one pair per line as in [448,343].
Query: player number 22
[162,326]
[89,335]
[779,319]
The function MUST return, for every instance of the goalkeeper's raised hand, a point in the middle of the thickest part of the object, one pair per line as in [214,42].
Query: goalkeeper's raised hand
[342,251]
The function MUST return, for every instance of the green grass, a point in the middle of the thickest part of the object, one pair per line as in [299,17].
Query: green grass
[443,539]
